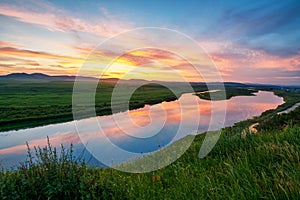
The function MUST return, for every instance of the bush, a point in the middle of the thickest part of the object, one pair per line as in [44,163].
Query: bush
[51,175]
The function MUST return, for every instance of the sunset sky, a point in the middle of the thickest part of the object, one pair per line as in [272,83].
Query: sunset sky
[249,41]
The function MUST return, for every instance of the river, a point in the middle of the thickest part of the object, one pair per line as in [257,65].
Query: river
[134,129]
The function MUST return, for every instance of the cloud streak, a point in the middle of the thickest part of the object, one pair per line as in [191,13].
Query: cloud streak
[57,20]
[30,54]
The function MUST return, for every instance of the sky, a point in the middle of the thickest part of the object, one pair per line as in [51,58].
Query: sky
[248,41]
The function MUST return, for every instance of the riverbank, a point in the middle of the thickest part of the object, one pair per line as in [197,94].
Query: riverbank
[289,109]
[252,128]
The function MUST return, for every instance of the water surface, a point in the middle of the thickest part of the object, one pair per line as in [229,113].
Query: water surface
[133,130]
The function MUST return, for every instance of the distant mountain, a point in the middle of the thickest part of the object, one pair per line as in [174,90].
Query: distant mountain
[37,77]
[41,77]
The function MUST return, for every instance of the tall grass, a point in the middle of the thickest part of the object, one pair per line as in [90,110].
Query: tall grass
[48,174]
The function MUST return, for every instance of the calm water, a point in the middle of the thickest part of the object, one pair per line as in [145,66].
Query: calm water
[133,130]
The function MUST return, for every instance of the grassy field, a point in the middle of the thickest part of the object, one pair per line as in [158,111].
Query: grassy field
[265,165]
[29,104]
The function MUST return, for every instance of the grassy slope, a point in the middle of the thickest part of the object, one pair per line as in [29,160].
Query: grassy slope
[264,165]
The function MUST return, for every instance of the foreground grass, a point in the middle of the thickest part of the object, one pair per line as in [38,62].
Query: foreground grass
[259,166]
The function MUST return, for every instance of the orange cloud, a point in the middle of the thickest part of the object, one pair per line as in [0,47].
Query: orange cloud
[21,60]
[36,54]
[156,64]
[142,57]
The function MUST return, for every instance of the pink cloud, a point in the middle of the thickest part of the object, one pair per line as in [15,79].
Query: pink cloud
[237,63]
[105,26]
